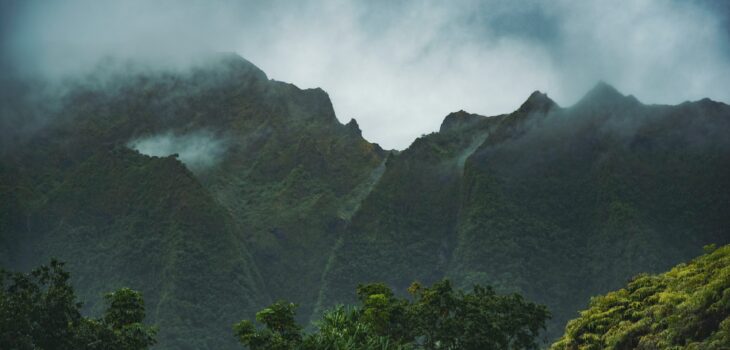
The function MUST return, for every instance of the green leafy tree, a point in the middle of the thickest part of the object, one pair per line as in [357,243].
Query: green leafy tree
[342,328]
[39,310]
[387,315]
[124,316]
[450,319]
[436,317]
[280,330]
[437,320]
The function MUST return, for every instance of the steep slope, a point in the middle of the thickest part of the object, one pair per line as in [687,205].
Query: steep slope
[216,190]
[405,227]
[592,195]
[555,203]
[123,219]
[687,307]
[274,176]
[292,182]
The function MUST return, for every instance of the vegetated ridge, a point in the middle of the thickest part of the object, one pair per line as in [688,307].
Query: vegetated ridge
[687,307]
[285,202]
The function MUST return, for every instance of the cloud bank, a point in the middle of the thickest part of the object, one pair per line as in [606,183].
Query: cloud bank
[400,67]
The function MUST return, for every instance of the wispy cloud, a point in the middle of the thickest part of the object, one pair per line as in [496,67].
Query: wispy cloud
[198,150]
[400,67]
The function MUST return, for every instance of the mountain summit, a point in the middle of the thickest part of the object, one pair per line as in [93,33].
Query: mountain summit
[458,120]
[537,102]
[603,95]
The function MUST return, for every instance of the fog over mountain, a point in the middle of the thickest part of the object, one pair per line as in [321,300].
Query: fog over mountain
[398,67]
[365,175]
[198,151]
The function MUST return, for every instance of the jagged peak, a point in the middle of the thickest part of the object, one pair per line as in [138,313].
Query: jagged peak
[458,119]
[354,127]
[459,114]
[537,102]
[604,94]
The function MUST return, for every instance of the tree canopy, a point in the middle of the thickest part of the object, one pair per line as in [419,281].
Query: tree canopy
[39,310]
[436,317]
[685,308]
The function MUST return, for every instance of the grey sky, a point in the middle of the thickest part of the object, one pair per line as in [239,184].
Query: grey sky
[399,67]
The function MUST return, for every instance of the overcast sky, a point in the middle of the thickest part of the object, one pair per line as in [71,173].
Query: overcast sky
[399,67]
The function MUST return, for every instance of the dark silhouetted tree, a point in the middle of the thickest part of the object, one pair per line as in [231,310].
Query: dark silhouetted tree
[39,310]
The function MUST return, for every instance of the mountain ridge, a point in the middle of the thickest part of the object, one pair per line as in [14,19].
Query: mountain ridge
[557,203]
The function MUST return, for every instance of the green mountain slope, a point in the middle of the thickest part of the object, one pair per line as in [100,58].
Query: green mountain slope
[407,221]
[123,219]
[215,190]
[555,203]
[685,308]
[594,194]
[274,175]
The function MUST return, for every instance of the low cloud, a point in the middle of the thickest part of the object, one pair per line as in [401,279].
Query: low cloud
[199,150]
[400,67]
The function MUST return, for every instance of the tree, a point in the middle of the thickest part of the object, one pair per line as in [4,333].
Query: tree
[436,317]
[445,318]
[39,310]
[123,317]
[342,328]
[281,331]
[386,314]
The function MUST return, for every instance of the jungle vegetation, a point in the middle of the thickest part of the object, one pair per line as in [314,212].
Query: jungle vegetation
[687,307]
[39,310]
[435,317]
[215,191]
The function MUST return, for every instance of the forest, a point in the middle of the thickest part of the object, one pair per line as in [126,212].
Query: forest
[687,307]
[217,192]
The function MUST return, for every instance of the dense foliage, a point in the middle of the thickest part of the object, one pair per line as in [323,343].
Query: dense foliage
[557,204]
[39,310]
[436,317]
[685,308]
[195,241]
[554,203]
[118,218]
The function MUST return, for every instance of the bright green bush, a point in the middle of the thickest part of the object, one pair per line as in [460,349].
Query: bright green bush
[685,308]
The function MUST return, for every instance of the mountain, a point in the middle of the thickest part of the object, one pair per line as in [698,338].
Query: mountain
[558,204]
[691,300]
[246,182]
[215,190]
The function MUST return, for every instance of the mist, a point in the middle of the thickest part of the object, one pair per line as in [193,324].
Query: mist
[397,67]
[198,150]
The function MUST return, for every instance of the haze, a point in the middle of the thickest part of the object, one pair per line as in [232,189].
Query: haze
[398,67]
